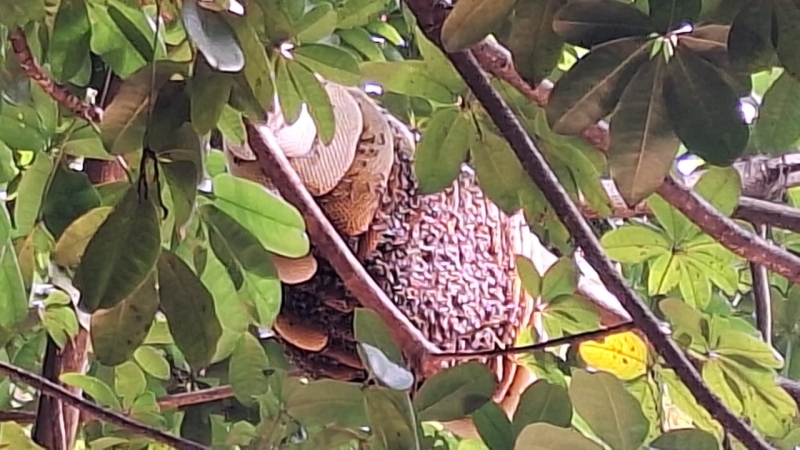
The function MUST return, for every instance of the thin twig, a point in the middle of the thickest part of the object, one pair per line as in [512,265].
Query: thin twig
[22,52]
[185,399]
[51,389]
[21,417]
[430,18]
[761,294]
[333,249]
[573,339]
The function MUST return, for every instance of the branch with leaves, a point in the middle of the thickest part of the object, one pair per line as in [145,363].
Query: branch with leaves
[430,19]
[51,389]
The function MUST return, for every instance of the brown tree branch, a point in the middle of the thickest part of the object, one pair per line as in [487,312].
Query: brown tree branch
[22,52]
[430,17]
[276,167]
[91,409]
[761,294]
[185,399]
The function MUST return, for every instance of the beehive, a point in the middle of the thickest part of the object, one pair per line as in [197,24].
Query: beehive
[445,259]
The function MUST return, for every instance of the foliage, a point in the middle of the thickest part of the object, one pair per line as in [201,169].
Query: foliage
[177,282]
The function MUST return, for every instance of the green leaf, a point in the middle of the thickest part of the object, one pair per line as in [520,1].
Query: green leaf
[318,23]
[69,43]
[778,124]
[152,361]
[634,244]
[361,40]
[591,89]
[386,371]
[685,320]
[277,225]
[721,186]
[664,274]
[257,68]
[740,346]
[21,128]
[316,99]
[111,268]
[331,62]
[471,20]
[32,189]
[190,310]
[14,302]
[135,25]
[61,324]
[750,45]
[560,279]
[787,16]
[95,388]
[703,109]
[240,249]
[412,78]
[493,426]
[86,142]
[715,377]
[125,118]
[288,96]
[391,419]
[118,331]
[545,436]
[643,146]
[677,227]
[70,195]
[72,243]
[369,329]
[455,392]
[8,168]
[543,402]
[610,410]
[209,95]
[589,23]
[248,370]
[531,280]
[444,146]
[213,36]
[670,14]
[16,14]
[684,439]
[129,381]
[532,41]
[499,171]
[13,435]
[329,402]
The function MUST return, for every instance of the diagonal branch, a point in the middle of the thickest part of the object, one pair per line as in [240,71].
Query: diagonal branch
[331,246]
[430,19]
[51,389]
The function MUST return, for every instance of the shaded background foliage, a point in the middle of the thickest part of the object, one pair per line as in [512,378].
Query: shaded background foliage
[177,283]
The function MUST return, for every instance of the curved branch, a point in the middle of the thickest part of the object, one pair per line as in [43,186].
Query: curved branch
[51,389]
[430,18]
[22,52]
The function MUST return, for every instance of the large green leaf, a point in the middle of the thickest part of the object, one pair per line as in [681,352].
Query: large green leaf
[471,20]
[118,331]
[213,36]
[32,189]
[560,279]
[190,310]
[209,94]
[704,109]
[328,402]
[493,426]
[391,417]
[498,170]
[545,436]
[368,328]
[612,412]
[750,45]
[121,254]
[543,402]
[331,62]
[787,16]
[277,225]
[685,439]
[411,78]
[72,243]
[591,89]
[532,41]
[587,23]
[643,145]
[69,196]
[635,243]
[69,45]
[247,370]
[455,392]
[778,124]
[316,99]
[13,435]
[443,148]
[94,387]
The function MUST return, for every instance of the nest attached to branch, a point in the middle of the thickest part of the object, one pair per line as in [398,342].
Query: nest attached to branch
[445,259]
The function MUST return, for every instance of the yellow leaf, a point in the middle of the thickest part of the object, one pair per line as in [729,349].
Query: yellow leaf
[623,355]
